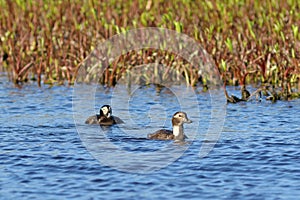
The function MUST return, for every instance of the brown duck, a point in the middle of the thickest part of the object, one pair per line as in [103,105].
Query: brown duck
[177,134]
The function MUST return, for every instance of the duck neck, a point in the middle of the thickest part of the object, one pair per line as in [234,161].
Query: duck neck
[178,132]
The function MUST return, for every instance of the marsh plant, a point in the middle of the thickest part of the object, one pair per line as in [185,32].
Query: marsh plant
[251,41]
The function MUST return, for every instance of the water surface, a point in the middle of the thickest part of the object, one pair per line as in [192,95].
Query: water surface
[43,156]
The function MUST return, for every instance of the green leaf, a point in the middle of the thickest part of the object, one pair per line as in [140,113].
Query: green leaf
[229,44]
[295,30]
[178,26]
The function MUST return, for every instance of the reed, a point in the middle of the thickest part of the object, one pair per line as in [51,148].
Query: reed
[251,41]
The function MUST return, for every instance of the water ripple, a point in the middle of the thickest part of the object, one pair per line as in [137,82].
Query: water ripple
[42,156]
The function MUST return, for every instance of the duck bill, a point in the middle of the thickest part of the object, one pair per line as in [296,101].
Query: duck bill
[188,121]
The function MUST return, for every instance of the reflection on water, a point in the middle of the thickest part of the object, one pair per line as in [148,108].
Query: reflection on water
[42,156]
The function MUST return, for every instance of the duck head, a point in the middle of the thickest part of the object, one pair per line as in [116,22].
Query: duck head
[106,111]
[179,118]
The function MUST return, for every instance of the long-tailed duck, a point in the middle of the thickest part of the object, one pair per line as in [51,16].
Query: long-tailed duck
[104,117]
[177,134]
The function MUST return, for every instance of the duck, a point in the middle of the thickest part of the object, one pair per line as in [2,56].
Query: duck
[104,118]
[177,134]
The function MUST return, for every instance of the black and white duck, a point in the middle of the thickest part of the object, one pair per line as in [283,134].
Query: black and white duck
[104,117]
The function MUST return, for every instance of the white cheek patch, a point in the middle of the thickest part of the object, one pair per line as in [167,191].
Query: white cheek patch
[105,111]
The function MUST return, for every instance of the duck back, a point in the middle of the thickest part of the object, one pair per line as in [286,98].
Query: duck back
[117,120]
[162,134]
[92,120]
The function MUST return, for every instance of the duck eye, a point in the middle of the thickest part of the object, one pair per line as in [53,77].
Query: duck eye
[179,115]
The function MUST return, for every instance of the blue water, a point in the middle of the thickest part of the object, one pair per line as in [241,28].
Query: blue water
[47,152]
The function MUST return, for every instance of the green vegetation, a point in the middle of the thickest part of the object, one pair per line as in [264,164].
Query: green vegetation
[251,41]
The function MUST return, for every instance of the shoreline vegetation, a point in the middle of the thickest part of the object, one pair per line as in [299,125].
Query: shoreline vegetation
[250,41]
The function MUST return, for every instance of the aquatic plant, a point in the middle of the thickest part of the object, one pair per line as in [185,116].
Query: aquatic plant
[251,41]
